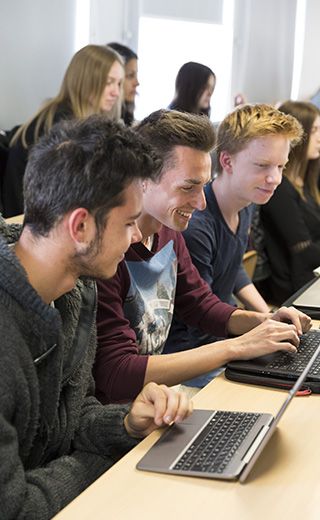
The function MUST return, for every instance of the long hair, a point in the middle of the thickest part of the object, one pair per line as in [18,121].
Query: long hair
[80,91]
[299,167]
[191,82]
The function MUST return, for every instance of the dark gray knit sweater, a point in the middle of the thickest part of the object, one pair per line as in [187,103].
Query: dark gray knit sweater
[55,438]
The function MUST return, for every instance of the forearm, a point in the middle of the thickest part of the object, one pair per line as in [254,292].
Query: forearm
[172,369]
[242,321]
[252,299]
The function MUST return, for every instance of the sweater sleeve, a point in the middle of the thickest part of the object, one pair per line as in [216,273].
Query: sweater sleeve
[119,369]
[195,303]
[41,492]
[242,279]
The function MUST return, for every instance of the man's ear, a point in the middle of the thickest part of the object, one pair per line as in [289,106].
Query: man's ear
[80,226]
[225,161]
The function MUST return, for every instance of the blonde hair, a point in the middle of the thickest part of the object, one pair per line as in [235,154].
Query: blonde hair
[249,122]
[80,91]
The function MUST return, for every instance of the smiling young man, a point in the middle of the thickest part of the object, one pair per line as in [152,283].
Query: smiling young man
[157,277]
[253,145]
[82,197]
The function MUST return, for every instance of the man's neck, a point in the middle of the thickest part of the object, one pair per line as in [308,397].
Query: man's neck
[148,226]
[45,265]
[228,202]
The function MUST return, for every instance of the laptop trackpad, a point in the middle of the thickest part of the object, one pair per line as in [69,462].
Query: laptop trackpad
[173,439]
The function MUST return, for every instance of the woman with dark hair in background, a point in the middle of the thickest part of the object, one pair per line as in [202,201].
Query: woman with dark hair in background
[130,83]
[291,219]
[194,87]
[92,84]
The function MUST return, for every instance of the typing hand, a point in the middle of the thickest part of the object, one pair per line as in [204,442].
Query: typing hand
[156,405]
[268,337]
[301,321]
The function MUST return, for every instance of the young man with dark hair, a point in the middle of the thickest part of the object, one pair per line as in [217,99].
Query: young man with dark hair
[82,197]
[157,277]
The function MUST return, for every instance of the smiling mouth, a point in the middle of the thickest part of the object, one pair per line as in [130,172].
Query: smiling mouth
[184,214]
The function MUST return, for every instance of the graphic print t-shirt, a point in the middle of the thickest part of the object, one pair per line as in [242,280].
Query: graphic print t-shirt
[149,302]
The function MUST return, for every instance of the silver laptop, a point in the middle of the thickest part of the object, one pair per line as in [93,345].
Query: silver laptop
[310,298]
[217,444]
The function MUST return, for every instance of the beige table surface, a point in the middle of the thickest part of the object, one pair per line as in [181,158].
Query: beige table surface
[18,219]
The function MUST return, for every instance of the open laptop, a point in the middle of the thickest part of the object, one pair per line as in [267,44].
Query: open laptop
[307,299]
[280,369]
[197,446]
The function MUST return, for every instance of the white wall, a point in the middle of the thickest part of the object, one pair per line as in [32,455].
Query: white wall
[310,73]
[107,20]
[263,49]
[37,42]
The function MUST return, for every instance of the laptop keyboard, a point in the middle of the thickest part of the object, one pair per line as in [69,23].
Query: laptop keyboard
[212,450]
[295,363]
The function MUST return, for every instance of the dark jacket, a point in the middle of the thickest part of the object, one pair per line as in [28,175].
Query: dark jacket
[12,186]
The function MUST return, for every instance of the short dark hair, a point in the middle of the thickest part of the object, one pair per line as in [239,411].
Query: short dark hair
[166,129]
[125,52]
[83,163]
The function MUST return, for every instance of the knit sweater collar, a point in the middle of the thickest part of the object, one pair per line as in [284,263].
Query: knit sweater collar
[14,279]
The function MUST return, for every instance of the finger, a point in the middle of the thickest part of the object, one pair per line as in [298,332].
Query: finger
[157,395]
[168,414]
[288,336]
[287,346]
[306,322]
[185,407]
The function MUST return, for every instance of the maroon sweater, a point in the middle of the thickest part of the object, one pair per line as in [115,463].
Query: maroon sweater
[135,309]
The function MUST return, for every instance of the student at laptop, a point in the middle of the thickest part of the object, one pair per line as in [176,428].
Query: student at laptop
[157,275]
[82,196]
[291,220]
[253,145]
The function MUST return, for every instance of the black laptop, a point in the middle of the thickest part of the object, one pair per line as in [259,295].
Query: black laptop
[215,443]
[281,369]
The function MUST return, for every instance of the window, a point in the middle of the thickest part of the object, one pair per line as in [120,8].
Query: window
[166,44]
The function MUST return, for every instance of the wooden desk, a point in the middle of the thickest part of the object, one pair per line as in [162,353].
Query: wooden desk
[18,219]
[285,482]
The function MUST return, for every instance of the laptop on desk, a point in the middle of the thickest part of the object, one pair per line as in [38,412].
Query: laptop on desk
[281,369]
[307,299]
[217,444]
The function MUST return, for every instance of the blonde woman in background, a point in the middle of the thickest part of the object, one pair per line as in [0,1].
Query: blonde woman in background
[92,84]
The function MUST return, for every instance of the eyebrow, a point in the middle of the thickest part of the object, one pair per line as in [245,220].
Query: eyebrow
[196,182]
[134,217]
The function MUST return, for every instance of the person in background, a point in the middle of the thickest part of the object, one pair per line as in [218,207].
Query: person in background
[157,277]
[130,83]
[291,219]
[82,197]
[91,85]
[194,87]
[253,144]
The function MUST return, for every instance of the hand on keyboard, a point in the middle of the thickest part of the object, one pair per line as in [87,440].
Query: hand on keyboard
[302,322]
[268,337]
